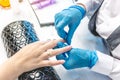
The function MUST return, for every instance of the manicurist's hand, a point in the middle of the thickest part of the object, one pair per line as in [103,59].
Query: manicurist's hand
[77,58]
[70,17]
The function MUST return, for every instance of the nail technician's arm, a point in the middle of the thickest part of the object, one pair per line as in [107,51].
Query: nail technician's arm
[32,56]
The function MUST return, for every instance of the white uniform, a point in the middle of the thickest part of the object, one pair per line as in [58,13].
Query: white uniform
[108,20]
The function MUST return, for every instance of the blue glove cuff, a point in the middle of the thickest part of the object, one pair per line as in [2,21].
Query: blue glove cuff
[94,59]
[80,9]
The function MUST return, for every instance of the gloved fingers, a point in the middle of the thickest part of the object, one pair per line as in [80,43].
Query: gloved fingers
[62,34]
[60,16]
[59,26]
[60,23]
[57,18]
[61,20]
[61,44]
[61,57]
[60,29]
[70,33]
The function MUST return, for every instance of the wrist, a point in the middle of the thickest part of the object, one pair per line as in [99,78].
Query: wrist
[14,66]
[81,9]
[8,71]
[93,58]
[82,5]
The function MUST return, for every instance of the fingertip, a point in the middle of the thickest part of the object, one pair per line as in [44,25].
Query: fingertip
[69,46]
[68,40]
[58,62]
[61,61]
[61,40]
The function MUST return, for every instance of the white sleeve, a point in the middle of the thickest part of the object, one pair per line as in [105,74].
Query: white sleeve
[107,65]
[115,73]
[104,64]
[90,5]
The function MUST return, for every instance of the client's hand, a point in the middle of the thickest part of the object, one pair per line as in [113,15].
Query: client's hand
[36,55]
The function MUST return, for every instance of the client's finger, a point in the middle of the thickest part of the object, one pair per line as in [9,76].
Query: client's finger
[51,62]
[53,52]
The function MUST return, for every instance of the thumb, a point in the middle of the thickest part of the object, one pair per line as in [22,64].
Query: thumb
[60,29]
[72,28]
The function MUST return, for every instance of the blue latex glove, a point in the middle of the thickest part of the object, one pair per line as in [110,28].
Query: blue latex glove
[70,17]
[77,58]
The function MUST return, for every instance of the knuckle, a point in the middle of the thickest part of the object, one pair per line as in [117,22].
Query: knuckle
[50,63]
[54,42]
